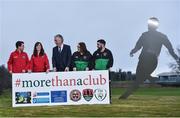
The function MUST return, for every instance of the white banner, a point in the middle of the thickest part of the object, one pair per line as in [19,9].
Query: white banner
[60,88]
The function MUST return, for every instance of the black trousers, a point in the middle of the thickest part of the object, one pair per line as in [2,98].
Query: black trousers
[146,66]
[1,87]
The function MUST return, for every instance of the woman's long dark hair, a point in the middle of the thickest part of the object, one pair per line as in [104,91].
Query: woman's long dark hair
[35,51]
[83,48]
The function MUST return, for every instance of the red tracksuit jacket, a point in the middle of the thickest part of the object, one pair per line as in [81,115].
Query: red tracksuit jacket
[18,62]
[39,63]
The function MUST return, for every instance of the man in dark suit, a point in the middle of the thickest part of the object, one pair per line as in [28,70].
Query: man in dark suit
[61,57]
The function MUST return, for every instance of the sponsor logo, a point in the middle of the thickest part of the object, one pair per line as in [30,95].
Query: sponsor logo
[37,94]
[23,57]
[100,94]
[40,97]
[15,57]
[58,96]
[88,94]
[75,95]
[40,100]
[23,97]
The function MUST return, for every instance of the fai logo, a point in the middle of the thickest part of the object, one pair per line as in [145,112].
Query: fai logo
[100,94]
[75,95]
[88,94]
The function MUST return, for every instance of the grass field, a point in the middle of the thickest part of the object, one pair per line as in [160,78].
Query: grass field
[145,102]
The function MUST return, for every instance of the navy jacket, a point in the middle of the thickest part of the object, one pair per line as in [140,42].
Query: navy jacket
[61,59]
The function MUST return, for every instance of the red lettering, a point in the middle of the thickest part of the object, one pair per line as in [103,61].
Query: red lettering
[102,80]
[65,82]
[72,82]
[57,82]
[84,81]
[53,82]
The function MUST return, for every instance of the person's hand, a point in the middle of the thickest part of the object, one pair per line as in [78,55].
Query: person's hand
[87,69]
[29,71]
[47,71]
[10,72]
[23,71]
[131,54]
[66,69]
[74,69]
[54,69]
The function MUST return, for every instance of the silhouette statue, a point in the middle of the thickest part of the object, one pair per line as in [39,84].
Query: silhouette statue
[151,43]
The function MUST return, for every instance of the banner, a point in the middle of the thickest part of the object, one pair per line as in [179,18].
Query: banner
[60,88]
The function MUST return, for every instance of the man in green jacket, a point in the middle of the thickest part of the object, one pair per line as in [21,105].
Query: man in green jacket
[102,57]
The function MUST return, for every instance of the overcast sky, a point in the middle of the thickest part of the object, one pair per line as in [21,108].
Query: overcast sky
[119,22]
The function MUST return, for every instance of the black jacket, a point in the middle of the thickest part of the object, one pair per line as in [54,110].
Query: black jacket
[103,55]
[62,59]
[87,57]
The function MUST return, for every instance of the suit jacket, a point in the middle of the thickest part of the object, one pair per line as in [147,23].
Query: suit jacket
[61,59]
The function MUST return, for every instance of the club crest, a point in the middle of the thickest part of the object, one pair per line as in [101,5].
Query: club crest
[75,95]
[100,94]
[88,94]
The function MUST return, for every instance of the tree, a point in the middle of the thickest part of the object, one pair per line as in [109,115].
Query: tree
[175,66]
[5,79]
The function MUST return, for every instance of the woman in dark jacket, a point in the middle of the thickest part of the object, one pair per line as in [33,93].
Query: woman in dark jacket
[81,59]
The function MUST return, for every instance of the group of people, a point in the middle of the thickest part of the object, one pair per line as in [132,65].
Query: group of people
[150,42]
[62,58]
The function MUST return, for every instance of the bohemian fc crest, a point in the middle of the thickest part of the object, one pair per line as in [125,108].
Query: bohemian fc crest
[105,54]
[88,94]
[75,95]
[100,94]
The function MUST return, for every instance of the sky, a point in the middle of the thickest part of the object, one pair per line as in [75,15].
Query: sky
[119,22]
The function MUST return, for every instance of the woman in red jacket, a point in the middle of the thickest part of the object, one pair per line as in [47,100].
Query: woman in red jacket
[39,61]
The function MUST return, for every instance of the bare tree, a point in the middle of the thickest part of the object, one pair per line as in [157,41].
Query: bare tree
[175,66]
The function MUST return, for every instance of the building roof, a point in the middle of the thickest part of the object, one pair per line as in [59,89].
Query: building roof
[168,73]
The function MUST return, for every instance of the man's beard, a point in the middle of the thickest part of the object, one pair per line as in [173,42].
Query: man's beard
[100,48]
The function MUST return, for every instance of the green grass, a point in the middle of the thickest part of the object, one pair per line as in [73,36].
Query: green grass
[144,102]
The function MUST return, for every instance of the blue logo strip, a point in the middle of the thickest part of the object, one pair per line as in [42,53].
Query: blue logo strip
[40,100]
[58,96]
[43,94]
